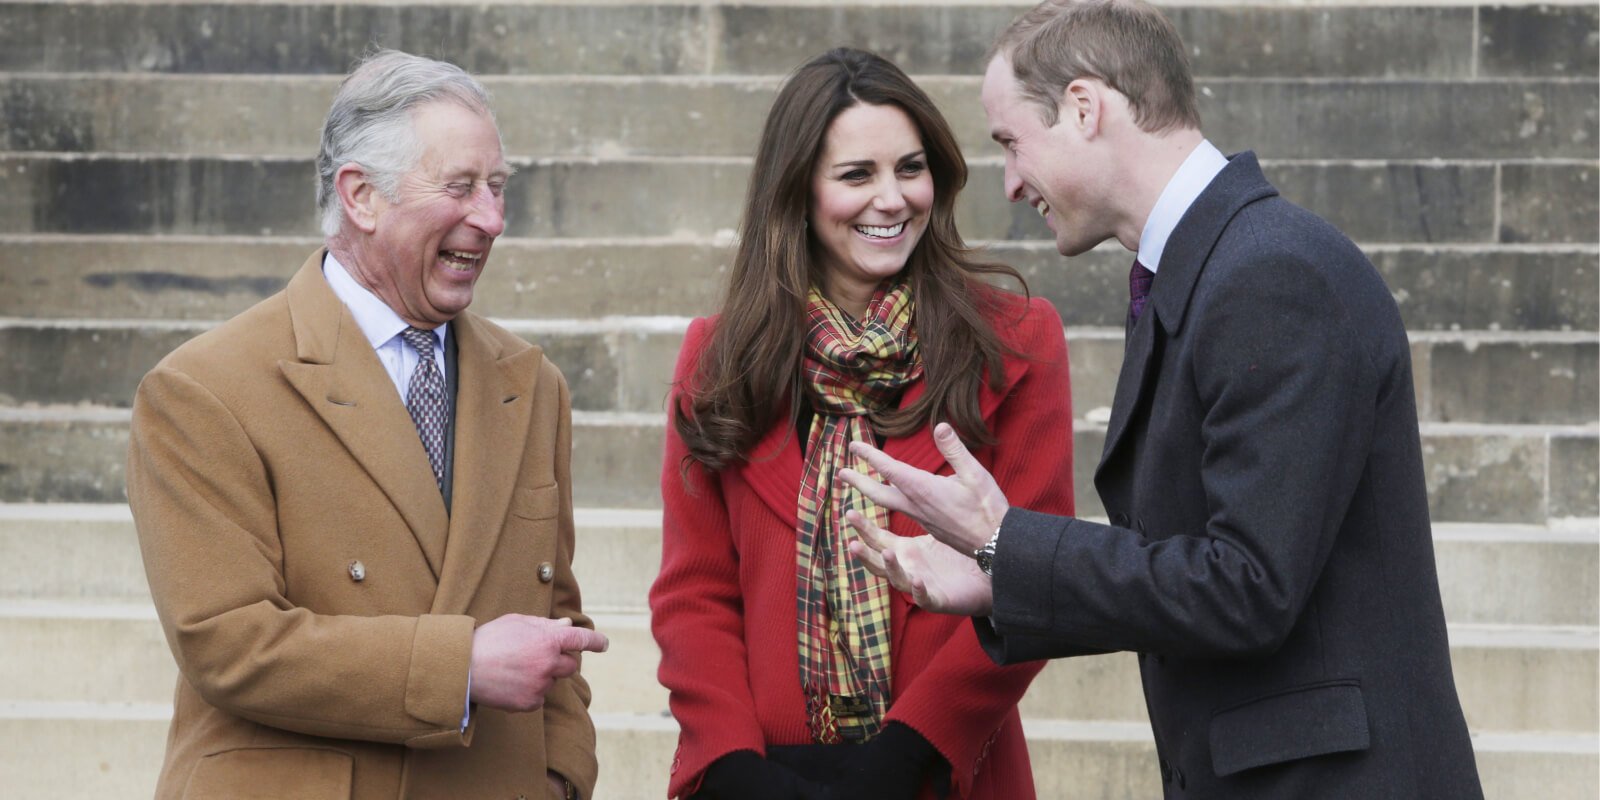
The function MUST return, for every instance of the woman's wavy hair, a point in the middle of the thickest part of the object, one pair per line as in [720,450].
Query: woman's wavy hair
[750,372]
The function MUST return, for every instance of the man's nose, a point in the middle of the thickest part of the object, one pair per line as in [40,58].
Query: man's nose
[488,212]
[1013,183]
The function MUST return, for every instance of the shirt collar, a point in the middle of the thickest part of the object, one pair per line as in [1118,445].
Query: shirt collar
[377,320]
[1192,178]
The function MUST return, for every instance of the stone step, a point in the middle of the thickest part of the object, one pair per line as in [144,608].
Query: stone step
[1488,574]
[627,364]
[1521,474]
[1453,288]
[721,37]
[1509,678]
[565,115]
[1547,201]
[73,750]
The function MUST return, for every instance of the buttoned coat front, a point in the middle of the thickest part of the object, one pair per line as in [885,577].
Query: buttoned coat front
[317,596]
[1269,553]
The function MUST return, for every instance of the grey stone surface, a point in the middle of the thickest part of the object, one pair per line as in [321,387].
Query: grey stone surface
[617,465]
[75,365]
[197,115]
[1523,40]
[325,38]
[213,278]
[1472,477]
[1514,382]
[207,278]
[62,462]
[156,195]
[1401,119]
[1440,289]
[1223,41]
[1508,582]
[1574,477]
[1279,119]
[1416,202]
[583,198]
[1486,478]
[621,369]
[1550,202]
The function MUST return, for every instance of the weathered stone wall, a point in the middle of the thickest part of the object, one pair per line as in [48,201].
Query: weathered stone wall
[156,178]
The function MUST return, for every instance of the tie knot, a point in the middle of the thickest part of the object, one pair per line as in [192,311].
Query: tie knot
[420,340]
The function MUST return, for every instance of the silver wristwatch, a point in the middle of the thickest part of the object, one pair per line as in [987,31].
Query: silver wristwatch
[985,554]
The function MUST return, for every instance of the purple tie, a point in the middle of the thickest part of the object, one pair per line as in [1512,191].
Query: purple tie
[1139,280]
[425,400]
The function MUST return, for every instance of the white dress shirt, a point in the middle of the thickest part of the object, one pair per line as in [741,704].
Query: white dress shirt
[1192,178]
[381,326]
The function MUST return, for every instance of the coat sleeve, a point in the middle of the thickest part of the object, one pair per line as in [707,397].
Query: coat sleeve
[207,523]
[696,610]
[569,735]
[960,700]
[1287,396]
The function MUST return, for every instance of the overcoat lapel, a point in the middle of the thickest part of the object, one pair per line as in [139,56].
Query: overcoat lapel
[1239,184]
[340,378]
[773,471]
[494,407]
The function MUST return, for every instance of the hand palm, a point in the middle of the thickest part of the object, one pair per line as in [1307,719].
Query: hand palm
[950,581]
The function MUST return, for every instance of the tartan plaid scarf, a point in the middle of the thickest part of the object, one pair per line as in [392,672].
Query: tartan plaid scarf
[852,367]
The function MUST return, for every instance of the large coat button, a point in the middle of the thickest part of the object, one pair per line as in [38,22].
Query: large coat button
[547,572]
[358,571]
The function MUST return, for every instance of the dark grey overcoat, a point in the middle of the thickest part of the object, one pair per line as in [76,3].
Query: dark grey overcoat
[1269,554]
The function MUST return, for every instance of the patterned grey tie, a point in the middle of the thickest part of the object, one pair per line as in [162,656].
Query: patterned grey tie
[425,400]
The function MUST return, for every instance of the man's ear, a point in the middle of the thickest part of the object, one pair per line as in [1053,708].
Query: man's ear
[357,196]
[1082,106]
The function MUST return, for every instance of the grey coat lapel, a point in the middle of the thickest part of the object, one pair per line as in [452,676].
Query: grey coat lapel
[1239,184]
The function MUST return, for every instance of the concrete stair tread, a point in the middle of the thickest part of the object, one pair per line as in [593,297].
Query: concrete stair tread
[1511,678]
[1491,574]
[557,114]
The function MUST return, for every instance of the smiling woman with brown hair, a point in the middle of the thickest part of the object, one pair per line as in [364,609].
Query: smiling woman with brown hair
[854,312]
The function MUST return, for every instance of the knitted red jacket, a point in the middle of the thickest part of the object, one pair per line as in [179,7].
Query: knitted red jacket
[723,606]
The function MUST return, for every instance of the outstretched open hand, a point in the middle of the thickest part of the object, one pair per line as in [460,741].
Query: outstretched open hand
[937,577]
[962,510]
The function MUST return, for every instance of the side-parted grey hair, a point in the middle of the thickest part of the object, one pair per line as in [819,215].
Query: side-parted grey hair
[370,121]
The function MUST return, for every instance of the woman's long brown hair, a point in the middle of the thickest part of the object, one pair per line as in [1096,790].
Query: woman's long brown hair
[750,372]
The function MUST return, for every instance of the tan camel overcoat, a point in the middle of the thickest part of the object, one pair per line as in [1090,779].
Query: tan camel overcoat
[267,458]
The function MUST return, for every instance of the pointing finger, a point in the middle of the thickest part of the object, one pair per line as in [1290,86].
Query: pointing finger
[573,639]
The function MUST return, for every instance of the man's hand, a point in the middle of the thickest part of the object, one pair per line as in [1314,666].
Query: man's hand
[962,510]
[516,658]
[937,577]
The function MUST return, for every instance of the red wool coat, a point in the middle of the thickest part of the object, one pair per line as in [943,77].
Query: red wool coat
[723,607]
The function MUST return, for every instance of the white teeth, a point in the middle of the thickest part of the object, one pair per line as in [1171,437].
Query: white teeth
[882,233]
[458,260]
[1043,208]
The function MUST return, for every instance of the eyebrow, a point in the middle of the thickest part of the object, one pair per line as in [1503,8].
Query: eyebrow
[867,162]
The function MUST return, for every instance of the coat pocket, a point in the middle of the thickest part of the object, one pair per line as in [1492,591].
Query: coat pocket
[1298,723]
[541,502]
[272,773]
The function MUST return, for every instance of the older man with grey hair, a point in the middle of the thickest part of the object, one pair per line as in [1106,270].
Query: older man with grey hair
[354,499]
